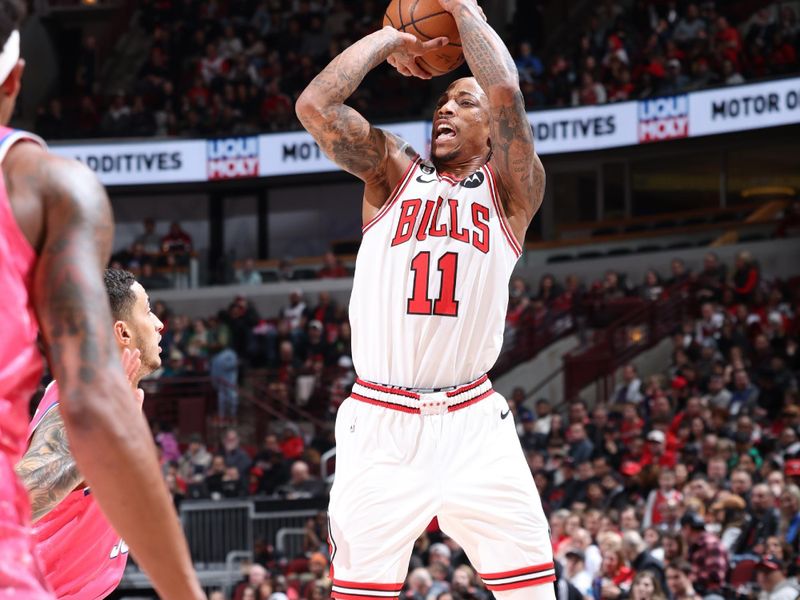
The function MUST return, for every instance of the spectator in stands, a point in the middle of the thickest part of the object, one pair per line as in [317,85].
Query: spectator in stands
[679,581]
[641,560]
[116,120]
[770,574]
[214,477]
[224,371]
[248,274]
[580,447]
[615,577]
[153,279]
[270,467]
[233,454]
[418,584]
[256,575]
[761,521]
[652,288]
[745,277]
[576,572]
[333,268]
[149,240]
[177,242]
[194,463]
[706,554]
[292,444]
[301,484]
[680,274]
[630,390]
[690,28]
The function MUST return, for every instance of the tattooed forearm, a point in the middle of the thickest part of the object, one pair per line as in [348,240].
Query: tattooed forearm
[486,54]
[48,470]
[342,133]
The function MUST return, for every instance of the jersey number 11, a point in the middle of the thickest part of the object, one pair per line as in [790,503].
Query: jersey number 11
[446,304]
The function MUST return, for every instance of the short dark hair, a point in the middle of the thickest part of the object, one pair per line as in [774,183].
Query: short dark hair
[680,565]
[11,14]
[120,295]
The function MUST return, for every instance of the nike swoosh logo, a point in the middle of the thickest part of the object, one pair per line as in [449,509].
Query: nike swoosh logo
[503,415]
[421,180]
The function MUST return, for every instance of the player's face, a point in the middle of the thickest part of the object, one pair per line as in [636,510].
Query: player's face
[460,122]
[145,330]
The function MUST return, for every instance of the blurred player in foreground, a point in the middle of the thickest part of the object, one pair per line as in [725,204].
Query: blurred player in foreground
[55,238]
[65,514]
[423,433]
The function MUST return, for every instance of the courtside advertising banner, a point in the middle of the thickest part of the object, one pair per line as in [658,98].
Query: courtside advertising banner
[557,131]
[141,163]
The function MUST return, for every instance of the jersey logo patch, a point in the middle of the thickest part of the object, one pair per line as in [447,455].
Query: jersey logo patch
[473,181]
[121,548]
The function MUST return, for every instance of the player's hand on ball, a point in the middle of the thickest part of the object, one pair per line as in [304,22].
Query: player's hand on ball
[451,5]
[408,48]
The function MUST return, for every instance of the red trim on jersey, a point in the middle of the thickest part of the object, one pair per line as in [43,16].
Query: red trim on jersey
[509,235]
[398,190]
[468,387]
[387,390]
[520,584]
[342,596]
[467,403]
[523,571]
[391,405]
[381,587]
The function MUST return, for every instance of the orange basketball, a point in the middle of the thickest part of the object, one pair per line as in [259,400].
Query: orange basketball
[427,20]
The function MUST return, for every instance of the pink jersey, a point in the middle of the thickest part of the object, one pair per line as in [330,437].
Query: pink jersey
[20,368]
[82,556]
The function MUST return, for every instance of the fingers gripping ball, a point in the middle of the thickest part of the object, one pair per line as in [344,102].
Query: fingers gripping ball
[427,20]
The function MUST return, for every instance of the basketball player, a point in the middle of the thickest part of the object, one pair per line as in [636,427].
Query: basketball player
[64,511]
[423,434]
[55,236]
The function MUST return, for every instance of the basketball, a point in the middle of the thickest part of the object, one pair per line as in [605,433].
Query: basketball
[427,20]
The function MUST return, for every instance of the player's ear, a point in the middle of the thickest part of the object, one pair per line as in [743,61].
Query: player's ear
[122,333]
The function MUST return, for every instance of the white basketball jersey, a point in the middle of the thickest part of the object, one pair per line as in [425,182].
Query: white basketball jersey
[430,292]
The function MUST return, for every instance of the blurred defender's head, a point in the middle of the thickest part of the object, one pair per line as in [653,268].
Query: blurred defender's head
[11,65]
[135,325]
[460,125]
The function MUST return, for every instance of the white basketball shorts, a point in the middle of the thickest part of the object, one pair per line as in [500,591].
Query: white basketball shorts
[403,458]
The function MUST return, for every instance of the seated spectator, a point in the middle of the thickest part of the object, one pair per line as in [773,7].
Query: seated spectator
[576,572]
[615,577]
[641,560]
[248,275]
[270,467]
[214,477]
[233,454]
[646,586]
[679,581]
[761,521]
[149,240]
[333,268]
[706,554]
[152,279]
[651,289]
[292,444]
[630,390]
[771,577]
[194,463]
[177,241]
[233,486]
[745,277]
[301,484]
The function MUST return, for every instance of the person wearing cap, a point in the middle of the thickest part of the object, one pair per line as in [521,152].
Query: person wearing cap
[771,578]
[656,453]
[576,572]
[707,555]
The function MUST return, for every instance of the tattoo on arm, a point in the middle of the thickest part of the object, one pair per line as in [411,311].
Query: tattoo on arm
[48,470]
[513,155]
[344,135]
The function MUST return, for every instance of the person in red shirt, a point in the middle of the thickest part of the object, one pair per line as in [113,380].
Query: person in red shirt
[292,445]
[656,452]
[333,268]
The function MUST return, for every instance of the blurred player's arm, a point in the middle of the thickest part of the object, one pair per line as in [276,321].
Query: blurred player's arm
[108,436]
[48,470]
[375,156]
[514,159]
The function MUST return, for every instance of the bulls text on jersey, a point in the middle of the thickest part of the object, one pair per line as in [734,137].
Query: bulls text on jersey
[420,221]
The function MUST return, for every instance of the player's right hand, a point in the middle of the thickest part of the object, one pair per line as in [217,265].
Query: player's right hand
[131,363]
[407,49]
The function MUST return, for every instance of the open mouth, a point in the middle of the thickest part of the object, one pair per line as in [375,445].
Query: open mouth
[444,131]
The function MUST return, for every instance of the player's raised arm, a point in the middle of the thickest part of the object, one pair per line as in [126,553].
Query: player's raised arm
[107,435]
[345,136]
[514,159]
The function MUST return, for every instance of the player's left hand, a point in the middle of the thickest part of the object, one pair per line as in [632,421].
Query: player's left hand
[451,5]
[407,49]
[131,363]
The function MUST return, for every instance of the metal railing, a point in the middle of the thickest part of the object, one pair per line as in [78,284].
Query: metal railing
[214,529]
[622,340]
